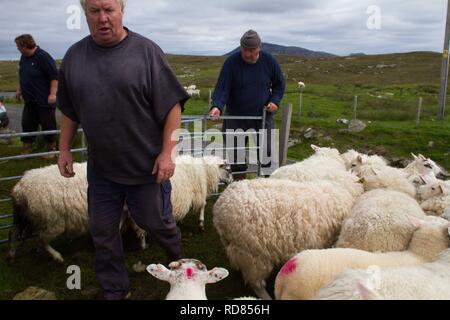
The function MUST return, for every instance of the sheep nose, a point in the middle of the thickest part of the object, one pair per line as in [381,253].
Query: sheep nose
[443,175]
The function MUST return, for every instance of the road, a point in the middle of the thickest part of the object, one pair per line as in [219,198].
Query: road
[15,117]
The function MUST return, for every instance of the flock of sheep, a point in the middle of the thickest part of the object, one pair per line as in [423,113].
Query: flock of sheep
[192,90]
[345,226]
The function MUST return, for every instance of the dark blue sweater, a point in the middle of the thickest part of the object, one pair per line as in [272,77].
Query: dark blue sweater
[246,88]
[36,73]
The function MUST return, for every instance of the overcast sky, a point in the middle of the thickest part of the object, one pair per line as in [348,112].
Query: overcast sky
[209,27]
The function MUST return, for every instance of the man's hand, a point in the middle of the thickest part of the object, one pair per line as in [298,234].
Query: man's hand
[215,113]
[18,94]
[65,164]
[164,167]
[272,107]
[52,99]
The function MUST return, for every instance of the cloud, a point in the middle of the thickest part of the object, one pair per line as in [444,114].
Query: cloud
[215,27]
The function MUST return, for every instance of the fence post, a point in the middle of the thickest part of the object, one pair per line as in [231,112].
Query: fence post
[83,145]
[355,107]
[419,110]
[209,102]
[300,101]
[284,133]
[262,139]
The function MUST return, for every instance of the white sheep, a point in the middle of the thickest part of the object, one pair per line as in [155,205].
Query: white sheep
[419,180]
[192,87]
[49,205]
[193,92]
[436,197]
[187,278]
[263,222]
[446,214]
[379,222]
[301,85]
[304,274]
[324,164]
[429,281]
[353,158]
[434,189]
[379,176]
[423,166]
[193,180]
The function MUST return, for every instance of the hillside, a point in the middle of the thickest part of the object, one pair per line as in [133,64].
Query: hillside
[415,68]
[293,51]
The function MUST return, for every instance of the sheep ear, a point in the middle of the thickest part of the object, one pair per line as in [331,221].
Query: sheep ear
[315,148]
[374,171]
[223,163]
[414,156]
[359,159]
[422,157]
[366,293]
[417,223]
[159,271]
[216,274]
[423,179]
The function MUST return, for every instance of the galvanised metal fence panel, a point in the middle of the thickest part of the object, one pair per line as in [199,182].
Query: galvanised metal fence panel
[185,122]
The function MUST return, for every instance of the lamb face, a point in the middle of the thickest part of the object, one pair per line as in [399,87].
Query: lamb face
[433,190]
[187,278]
[426,165]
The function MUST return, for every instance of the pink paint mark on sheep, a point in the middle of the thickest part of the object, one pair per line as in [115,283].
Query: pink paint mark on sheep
[189,273]
[289,267]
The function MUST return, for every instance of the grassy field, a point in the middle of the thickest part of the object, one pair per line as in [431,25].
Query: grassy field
[388,89]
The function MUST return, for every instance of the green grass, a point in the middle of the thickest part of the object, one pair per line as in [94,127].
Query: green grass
[391,132]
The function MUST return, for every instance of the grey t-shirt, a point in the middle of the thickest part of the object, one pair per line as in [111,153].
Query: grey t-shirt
[121,96]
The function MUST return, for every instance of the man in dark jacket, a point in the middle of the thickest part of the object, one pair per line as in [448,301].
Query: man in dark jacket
[250,80]
[38,85]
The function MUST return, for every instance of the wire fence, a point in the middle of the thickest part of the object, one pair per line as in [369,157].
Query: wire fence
[186,135]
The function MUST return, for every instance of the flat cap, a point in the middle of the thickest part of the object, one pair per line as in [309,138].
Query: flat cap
[251,40]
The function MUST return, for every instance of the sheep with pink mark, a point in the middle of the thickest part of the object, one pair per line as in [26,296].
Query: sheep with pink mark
[310,270]
[429,281]
[187,278]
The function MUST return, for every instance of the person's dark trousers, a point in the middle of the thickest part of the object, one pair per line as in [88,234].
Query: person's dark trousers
[34,115]
[234,124]
[4,121]
[149,205]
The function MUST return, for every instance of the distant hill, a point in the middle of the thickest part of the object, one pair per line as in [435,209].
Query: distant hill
[293,51]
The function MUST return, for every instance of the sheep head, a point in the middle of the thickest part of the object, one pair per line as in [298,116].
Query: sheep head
[187,278]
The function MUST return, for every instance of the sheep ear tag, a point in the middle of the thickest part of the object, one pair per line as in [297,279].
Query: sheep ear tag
[217,274]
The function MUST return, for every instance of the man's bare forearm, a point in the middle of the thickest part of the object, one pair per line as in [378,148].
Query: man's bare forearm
[68,131]
[53,87]
[170,137]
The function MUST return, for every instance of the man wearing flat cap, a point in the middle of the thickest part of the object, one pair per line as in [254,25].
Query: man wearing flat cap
[250,80]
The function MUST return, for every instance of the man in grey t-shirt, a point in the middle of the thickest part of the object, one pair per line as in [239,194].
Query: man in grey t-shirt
[119,86]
